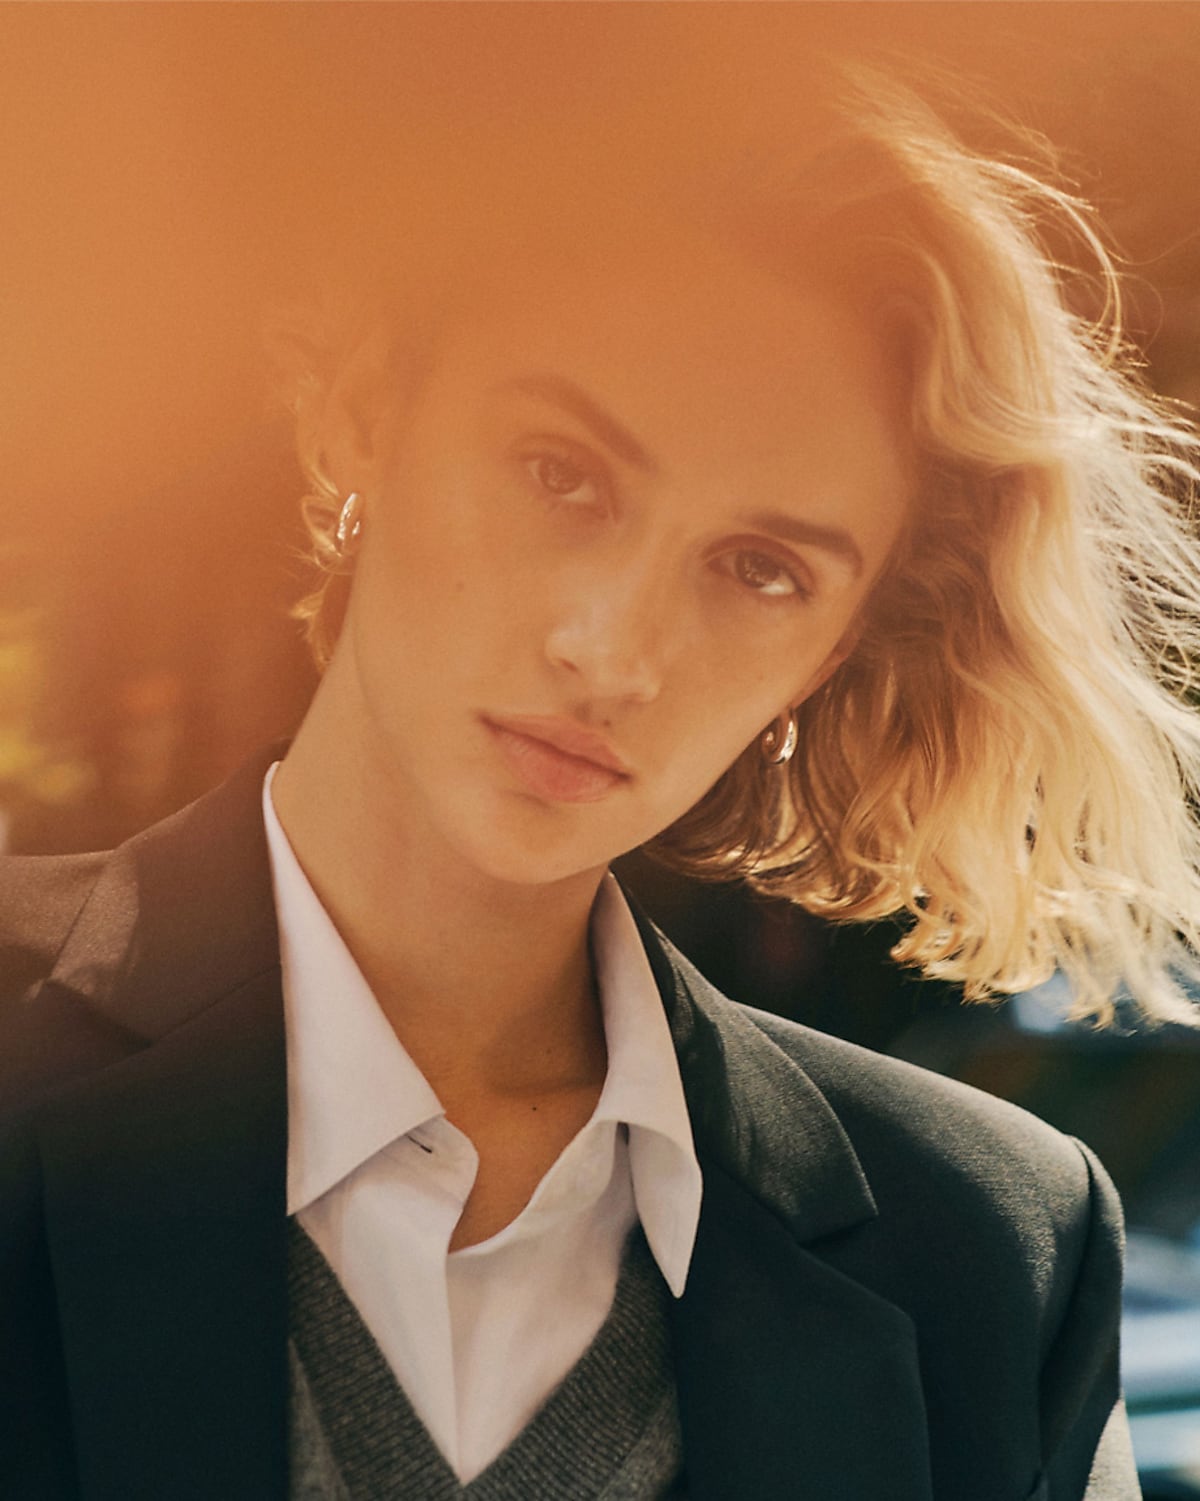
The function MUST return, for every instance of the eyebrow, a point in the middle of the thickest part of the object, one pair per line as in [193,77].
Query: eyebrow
[603,425]
[830,539]
[616,436]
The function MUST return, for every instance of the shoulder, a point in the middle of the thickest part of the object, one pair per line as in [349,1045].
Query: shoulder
[895,1115]
[1000,1237]
[927,1145]
[987,1184]
[101,955]
[48,1032]
[977,1180]
[40,897]
[877,1096]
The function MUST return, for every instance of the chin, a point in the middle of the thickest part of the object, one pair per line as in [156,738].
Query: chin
[553,845]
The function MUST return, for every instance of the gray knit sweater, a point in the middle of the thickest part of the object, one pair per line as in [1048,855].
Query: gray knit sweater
[609,1432]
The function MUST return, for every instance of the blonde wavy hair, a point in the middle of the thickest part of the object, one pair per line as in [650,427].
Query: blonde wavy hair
[1009,757]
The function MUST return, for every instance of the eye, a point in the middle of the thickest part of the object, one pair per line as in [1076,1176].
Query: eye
[764,575]
[567,479]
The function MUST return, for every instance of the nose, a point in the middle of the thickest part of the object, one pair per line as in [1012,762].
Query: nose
[614,633]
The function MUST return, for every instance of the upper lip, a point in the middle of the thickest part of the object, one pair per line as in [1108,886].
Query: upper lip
[564,735]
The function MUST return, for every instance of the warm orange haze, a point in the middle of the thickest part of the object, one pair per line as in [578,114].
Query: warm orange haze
[172,173]
[494,492]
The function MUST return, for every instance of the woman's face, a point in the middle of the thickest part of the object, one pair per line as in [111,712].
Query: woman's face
[629,518]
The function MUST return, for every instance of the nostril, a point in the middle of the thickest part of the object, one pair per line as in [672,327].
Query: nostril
[613,663]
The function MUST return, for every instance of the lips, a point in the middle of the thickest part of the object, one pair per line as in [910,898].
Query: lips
[556,759]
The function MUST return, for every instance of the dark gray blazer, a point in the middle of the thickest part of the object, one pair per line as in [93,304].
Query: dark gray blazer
[902,1289]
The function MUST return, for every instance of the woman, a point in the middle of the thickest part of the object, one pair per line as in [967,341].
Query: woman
[770,510]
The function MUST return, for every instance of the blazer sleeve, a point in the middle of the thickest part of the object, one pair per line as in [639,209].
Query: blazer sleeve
[1087,1454]
[36,1444]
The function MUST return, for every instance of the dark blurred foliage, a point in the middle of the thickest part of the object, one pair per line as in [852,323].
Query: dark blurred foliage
[166,172]
[166,645]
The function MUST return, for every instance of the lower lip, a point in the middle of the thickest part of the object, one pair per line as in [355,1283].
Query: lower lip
[551,774]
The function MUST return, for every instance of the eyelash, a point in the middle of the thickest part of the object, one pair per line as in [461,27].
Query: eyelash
[592,470]
[589,469]
[800,591]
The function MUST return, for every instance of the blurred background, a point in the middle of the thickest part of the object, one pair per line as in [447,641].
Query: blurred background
[170,173]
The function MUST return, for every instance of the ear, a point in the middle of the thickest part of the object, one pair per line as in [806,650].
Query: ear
[352,421]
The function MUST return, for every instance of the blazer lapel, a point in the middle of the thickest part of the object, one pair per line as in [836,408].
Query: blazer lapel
[793,1378]
[165,1173]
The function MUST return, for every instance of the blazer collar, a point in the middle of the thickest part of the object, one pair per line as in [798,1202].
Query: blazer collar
[165,1209]
[792,1376]
[755,1113]
[179,914]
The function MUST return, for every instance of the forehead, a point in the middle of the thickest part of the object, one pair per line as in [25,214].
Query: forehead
[711,361]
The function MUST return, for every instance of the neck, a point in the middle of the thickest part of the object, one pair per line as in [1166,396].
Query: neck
[488,984]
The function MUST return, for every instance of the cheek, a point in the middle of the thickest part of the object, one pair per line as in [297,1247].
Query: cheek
[719,709]
[458,522]
[749,676]
[444,586]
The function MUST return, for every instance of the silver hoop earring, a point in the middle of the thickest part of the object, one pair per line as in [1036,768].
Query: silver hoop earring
[778,741]
[348,532]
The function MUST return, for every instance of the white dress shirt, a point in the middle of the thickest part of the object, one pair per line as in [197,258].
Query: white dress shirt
[378,1177]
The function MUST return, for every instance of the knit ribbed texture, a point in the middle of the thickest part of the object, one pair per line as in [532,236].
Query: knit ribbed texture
[609,1432]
